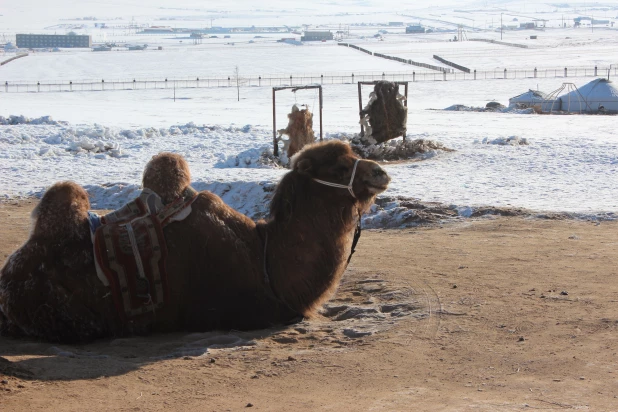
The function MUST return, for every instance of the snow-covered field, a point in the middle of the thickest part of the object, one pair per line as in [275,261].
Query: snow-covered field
[570,163]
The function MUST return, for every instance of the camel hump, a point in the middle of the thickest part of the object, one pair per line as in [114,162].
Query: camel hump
[62,212]
[168,175]
[327,152]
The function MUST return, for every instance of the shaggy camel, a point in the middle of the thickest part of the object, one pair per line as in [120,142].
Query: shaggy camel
[225,270]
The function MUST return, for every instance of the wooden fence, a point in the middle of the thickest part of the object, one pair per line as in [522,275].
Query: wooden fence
[297,80]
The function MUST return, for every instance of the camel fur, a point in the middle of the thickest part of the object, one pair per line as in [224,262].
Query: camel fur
[384,117]
[299,130]
[217,256]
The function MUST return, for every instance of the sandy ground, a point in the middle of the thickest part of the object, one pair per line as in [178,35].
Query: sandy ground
[494,314]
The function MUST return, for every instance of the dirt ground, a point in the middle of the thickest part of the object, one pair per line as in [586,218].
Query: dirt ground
[492,314]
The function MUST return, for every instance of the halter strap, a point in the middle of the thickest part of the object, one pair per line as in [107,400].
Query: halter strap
[348,186]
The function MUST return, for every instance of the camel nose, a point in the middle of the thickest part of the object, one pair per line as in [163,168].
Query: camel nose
[379,172]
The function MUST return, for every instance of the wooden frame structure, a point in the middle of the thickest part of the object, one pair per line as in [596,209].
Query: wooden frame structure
[360,101]
[294,89]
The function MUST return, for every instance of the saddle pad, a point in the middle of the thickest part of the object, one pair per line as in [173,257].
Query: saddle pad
[130,252]
[134,293]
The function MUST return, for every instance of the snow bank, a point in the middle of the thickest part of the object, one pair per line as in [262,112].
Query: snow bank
[566,169]
[514,109]
[367,148]
[507,141]
[13,120]
[262,157]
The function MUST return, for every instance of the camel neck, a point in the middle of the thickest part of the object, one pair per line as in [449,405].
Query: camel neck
[308,251]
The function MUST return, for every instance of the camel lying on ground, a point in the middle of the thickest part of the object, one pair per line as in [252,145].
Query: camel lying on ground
[225,270]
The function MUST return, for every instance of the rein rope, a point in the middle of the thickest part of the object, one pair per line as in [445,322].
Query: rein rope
[357,232]
[357,235]
[267,281]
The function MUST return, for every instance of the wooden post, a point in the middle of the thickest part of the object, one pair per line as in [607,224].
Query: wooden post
[405,104]
[360,108]
[321,113]
[275,146]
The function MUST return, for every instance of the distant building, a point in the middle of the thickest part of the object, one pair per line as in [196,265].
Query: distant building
[36,41]
[395,23]
[579,20]
[527,25]
[415,28]
[158,30]
[317,36]
[137,47]
[290,40]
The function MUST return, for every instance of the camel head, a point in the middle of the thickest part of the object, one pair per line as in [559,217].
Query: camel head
[62,213]
[335,162]
[168,175]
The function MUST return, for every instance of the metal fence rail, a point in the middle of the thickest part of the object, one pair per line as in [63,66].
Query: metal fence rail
[296,80]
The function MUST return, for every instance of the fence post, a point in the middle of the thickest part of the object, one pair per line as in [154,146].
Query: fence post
[259,80]
[595,71]
[565,72]
[133,84]
[444,75]
[228,82]
[474,74]
[535,72]
[198,82]
[352,77]
[166,82]
[413,76]
[383,75]
[71,85]
[321,79]
[102,84]
[6,87]
[38,86]
[505,73]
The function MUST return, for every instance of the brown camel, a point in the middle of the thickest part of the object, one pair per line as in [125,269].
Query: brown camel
[226,271]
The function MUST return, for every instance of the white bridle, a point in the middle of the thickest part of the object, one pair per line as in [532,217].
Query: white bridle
[348,186]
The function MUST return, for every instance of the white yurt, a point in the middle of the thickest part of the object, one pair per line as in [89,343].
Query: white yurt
[600,95]
[534,98]
[530,98]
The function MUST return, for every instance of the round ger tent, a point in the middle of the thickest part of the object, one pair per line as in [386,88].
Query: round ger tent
[534,98]
[600,95]
[529,99]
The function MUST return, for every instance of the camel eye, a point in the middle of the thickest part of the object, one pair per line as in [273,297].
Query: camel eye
[341,171]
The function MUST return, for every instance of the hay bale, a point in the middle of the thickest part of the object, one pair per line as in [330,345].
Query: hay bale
[385,113]
[299,130]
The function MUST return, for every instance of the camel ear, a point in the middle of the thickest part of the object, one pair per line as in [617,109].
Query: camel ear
[304,166]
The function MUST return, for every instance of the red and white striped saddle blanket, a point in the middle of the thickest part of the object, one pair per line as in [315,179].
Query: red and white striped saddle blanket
[130,250]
